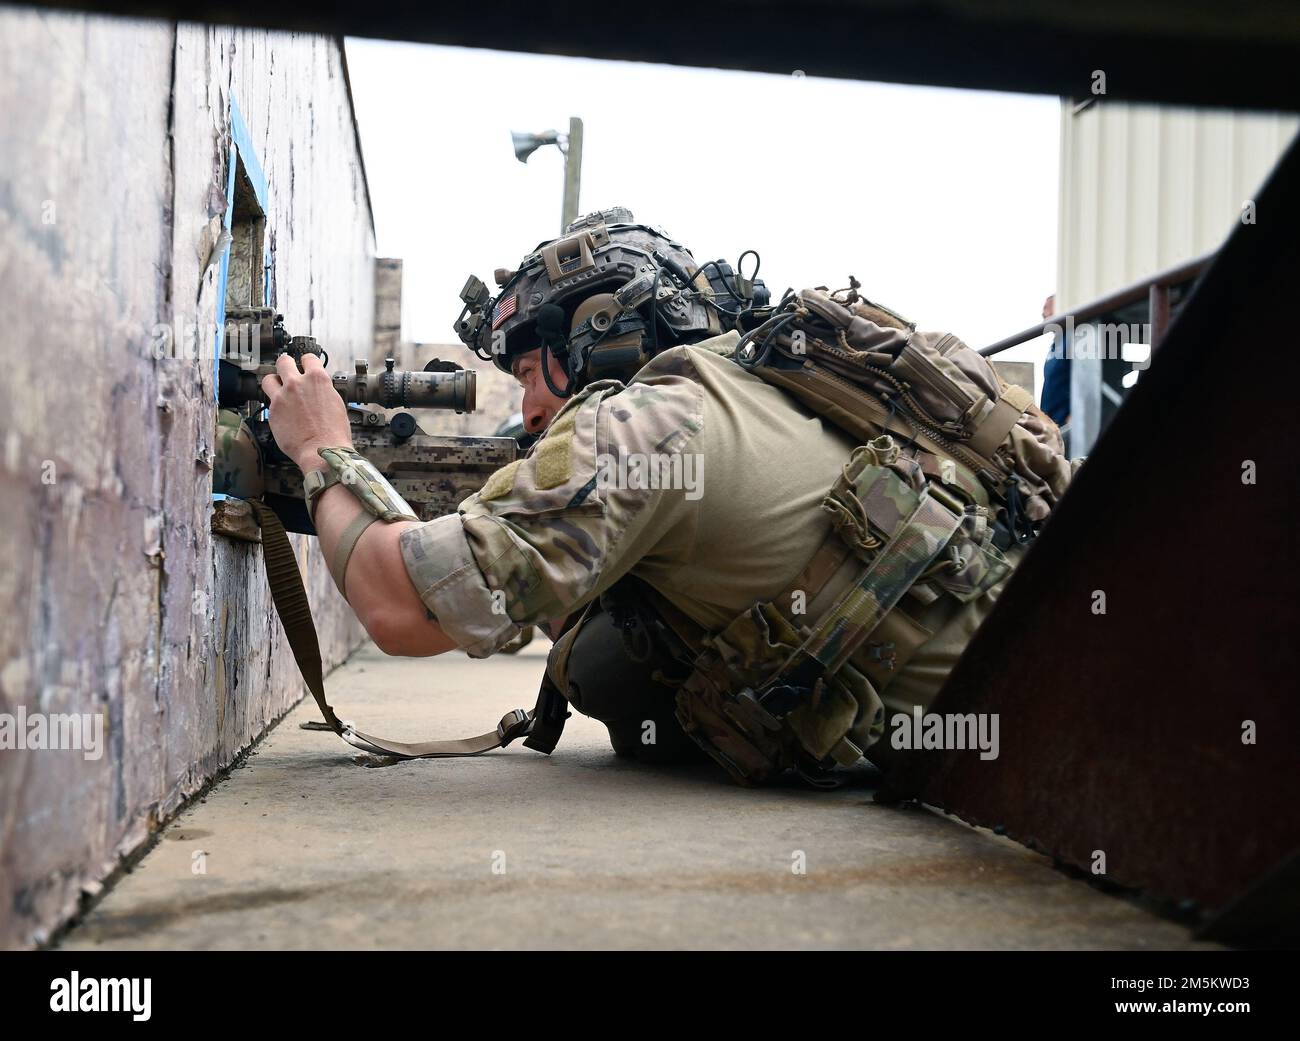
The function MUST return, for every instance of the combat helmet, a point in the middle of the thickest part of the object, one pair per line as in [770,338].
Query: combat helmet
[604,298]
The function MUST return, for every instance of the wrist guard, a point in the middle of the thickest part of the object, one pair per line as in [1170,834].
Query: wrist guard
[348,467]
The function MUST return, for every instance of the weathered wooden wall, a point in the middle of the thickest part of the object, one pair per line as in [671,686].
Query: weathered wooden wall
[118,600]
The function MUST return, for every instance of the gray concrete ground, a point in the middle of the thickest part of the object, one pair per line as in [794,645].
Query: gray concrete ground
[303,846]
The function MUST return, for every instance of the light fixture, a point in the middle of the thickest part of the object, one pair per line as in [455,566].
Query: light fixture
[527,144]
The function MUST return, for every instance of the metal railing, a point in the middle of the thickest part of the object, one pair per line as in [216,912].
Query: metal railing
[1155,289]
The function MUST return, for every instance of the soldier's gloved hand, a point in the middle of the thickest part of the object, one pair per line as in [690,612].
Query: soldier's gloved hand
[307,413]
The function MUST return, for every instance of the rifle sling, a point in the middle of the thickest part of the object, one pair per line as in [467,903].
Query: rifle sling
[290,599]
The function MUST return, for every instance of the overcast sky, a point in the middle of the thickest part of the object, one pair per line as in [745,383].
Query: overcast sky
[941,202]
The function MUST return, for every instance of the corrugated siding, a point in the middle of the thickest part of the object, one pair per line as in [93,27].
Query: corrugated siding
[1144,188]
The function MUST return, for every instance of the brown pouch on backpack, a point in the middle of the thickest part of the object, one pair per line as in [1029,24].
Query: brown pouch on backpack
[928,386]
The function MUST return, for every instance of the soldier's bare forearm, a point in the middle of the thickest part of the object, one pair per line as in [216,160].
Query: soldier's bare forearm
[377,584]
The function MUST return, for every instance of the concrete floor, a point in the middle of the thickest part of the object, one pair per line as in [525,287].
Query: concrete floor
[304,846]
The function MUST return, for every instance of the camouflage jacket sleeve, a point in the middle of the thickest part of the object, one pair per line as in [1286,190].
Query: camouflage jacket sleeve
[549,532]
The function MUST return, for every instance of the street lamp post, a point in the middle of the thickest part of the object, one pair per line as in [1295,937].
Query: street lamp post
[571,145]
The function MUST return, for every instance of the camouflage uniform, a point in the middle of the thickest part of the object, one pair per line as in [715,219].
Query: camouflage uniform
[546,536]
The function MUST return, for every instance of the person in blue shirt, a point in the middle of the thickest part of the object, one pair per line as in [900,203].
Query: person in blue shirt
[1056,375]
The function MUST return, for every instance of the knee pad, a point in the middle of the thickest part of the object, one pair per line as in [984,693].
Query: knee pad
[602,681]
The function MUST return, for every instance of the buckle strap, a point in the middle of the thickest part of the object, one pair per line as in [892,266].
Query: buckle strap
[513,724]
[359,525]
[999,420]
[291,604]
[547,718]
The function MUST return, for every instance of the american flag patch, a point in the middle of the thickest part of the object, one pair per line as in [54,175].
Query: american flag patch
[505,309]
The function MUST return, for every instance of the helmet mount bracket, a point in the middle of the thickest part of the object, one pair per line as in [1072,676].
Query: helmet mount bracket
[604,298]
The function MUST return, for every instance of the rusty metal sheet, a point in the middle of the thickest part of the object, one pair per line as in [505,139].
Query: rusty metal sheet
[1127,733]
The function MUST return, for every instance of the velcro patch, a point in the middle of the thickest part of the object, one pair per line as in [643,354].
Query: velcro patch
[500,483]
[555,453]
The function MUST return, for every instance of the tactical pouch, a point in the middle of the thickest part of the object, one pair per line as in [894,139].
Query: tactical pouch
[972,564]
[717,706]
[938,384]
[773,691]
[866,370]
[768,693]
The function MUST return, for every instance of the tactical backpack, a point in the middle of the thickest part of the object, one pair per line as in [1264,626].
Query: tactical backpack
[954,467]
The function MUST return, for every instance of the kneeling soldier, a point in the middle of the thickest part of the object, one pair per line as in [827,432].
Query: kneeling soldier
[752,530]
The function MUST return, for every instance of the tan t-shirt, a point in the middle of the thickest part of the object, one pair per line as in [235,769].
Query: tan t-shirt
[697,477]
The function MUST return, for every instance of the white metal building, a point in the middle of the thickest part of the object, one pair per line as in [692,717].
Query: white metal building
[1143,189]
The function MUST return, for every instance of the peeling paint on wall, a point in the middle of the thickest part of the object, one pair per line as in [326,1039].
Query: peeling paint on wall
[120,601]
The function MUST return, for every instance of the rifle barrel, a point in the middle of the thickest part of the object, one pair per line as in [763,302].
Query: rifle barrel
[401,388]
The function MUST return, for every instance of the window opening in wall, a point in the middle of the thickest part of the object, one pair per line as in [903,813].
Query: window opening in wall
[245,319]
[245,278]
[245,282]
